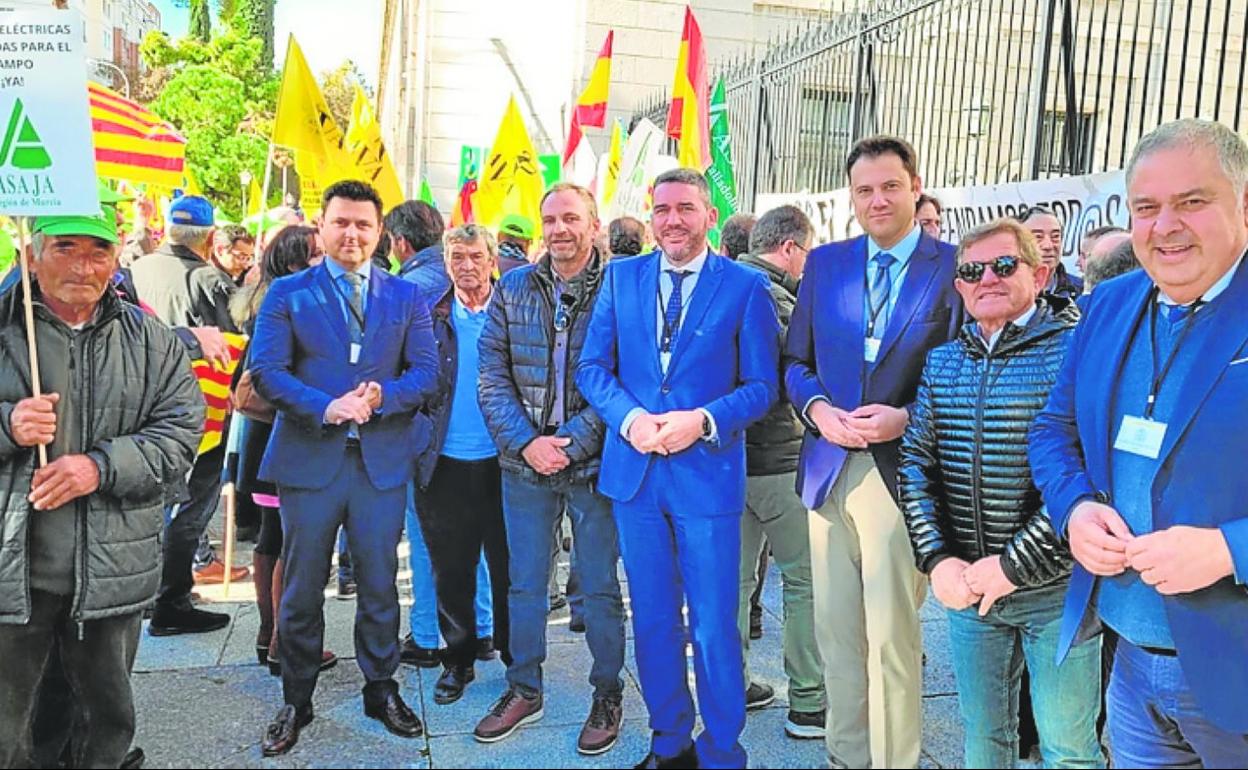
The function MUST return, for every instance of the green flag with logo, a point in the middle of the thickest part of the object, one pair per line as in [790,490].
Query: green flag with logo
[719,174]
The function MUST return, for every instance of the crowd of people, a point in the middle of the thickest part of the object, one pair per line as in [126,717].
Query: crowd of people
[881,416]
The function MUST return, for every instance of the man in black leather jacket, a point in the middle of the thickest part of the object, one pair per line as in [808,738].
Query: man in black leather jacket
[549,443]
[977,522]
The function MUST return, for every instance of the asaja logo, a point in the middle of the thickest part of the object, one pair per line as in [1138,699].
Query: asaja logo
[21,146]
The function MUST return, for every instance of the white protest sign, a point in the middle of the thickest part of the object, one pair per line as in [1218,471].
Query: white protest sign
[644,143]
[47,159]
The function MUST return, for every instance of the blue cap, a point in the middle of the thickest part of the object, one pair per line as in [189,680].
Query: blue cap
[191,210]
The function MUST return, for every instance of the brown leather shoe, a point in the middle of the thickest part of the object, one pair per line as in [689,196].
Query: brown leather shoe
[215,573]
[509,712]
[283,732]
[602,729]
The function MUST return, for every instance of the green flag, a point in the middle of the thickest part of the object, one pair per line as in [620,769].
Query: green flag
[719,174]
[426,194]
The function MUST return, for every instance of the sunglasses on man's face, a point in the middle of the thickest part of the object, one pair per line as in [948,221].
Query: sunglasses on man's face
[1003,267]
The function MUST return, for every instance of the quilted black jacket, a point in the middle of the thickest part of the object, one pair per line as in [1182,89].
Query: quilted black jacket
[517,380]
[965,482]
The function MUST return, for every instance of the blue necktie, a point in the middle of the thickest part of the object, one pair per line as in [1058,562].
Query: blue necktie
[1175,314]
[671,315]
[881,289]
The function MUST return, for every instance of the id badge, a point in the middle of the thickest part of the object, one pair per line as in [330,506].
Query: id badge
[871,349]
[355,353]
[1140,437]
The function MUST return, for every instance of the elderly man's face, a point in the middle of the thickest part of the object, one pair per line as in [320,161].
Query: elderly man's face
[470,265]
[1188,225]
[75,270]
[1048,233]
[994,300]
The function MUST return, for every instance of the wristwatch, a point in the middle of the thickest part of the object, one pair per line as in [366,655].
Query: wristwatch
[706,425]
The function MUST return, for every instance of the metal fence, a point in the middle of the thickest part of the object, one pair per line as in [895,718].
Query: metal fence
[988,91]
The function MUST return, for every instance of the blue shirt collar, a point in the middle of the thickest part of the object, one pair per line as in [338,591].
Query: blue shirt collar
[1222,285]
[337,271]
[901,252]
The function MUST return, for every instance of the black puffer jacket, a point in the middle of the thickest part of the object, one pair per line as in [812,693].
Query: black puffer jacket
[517,382]
[966,486]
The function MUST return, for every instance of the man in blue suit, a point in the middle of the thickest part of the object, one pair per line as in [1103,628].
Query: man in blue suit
[868,311]
[346,354]
[1140,457]
[681,354]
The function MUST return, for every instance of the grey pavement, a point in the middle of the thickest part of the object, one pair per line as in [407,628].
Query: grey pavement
[204,702]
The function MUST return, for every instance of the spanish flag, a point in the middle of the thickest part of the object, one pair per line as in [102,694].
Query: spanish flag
[214,381]
[132,143]
[591,107]
[689,117]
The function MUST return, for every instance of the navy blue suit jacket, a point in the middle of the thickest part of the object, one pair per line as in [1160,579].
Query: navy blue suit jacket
[1201,481]
[726,360]
[823,355]
[300,362]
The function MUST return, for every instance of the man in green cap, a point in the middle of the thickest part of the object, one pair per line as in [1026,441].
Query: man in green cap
[120,417]
[515,237]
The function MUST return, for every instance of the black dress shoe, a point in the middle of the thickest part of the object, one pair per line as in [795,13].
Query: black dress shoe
[685,759]
[391,711]
[414,655]
[283,732]
[172,621]
[451,684]
[485,648]
[134,759]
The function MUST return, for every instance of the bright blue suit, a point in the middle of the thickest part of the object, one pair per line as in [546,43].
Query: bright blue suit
[823,353]
[679,516]
[300,362]
[1201,481]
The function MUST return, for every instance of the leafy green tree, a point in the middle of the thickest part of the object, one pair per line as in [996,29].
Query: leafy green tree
[254,18]
[221,96]
[201,21]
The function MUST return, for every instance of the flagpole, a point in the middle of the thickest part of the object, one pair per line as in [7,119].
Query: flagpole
[28,304]
[264,192]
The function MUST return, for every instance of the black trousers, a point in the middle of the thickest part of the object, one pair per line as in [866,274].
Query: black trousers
[182,533]
[96,668]
[460,512]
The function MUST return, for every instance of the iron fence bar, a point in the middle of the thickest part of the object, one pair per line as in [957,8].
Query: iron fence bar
[1126,119]
[1165,57]
[1243,59]
[1226,26]
[1204,51]
[1071,139]
[1187,33]
[1148,67]
[1047,43]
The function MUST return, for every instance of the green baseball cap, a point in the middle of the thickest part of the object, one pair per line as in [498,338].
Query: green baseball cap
[102,225]
[517,226]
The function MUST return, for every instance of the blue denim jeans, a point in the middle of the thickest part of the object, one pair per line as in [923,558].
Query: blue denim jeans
[423,616]
[988,658]
[531,511]
[1154,720]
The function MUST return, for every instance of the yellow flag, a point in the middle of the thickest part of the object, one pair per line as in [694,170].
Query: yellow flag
[614,157]
[255,198]
[511,180]
[368,152]
[303,120]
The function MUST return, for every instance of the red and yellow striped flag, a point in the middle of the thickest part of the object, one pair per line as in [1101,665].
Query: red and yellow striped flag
[591,106]
[214,381]
[132,143]
[689,118]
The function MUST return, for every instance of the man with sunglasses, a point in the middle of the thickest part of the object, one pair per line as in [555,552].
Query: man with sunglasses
[868,311]
[549,441]
[976,521]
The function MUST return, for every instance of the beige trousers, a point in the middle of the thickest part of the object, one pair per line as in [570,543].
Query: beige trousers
[867,598]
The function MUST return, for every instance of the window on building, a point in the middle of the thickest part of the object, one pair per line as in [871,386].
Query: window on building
[1059,129]
[823,136]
